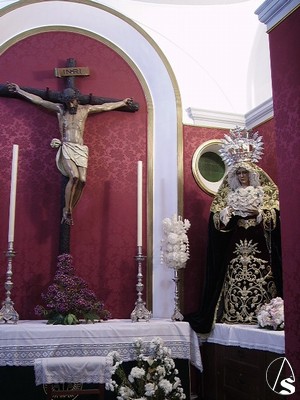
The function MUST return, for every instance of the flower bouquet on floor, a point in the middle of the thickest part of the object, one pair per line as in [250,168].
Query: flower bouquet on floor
[68,298]
[271,315]
[153,378]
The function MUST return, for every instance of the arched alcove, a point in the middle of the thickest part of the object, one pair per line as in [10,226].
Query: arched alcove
[163,104]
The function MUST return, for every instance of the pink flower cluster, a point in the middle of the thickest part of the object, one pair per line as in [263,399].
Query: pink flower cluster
[271,315]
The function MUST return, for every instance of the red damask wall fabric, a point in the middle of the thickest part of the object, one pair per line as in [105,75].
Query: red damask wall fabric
[103,238]
[285,64]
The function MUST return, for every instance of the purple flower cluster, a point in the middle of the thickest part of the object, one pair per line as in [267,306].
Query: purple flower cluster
[70,295]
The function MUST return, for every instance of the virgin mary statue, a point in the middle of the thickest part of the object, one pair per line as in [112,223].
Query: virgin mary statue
[243,269]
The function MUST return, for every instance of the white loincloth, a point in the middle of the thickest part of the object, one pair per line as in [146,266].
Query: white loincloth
[72,151]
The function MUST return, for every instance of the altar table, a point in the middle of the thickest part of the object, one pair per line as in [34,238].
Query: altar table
[248,336]
[22,343]
[235,361]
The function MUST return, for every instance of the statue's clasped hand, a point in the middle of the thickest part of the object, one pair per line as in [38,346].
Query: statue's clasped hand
[129,101]
[55,143]
[12,87]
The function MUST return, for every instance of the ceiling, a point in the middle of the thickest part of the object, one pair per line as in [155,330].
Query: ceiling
[192,2]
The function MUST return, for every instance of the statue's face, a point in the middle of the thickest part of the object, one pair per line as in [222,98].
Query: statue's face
[243,176]
[72,105]
[70,100]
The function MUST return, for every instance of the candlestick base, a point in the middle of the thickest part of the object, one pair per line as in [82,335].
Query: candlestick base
[177,316]
[140,312]
[8,313]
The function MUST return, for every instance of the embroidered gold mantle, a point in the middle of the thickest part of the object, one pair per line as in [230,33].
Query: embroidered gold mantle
[248,284]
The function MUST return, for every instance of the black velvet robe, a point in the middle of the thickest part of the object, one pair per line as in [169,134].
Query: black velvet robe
[220,252]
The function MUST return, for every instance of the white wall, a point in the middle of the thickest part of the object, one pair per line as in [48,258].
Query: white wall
[219,53]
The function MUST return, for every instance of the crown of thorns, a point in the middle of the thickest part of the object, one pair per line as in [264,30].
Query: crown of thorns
[69,94]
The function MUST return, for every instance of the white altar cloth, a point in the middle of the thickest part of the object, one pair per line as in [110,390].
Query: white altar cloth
[248,336]
[22,343]
[72,369]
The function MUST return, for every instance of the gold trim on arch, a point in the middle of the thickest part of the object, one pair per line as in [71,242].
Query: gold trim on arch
[150,126]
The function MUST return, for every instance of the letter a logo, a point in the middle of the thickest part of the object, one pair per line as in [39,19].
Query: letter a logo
[280,377]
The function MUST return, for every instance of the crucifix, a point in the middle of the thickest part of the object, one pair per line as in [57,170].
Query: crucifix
[72,109]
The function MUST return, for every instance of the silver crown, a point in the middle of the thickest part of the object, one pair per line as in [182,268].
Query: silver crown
[241,145]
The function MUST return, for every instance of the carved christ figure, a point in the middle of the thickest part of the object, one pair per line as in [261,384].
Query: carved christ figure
[72,155]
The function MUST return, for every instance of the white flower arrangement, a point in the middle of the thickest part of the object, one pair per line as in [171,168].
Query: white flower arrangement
[175,242]
[244,199]
[153,378]
[271,315]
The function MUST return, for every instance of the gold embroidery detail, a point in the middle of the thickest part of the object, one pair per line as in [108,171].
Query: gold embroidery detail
[246,223]
[217,222]
[248,283]
[269,220]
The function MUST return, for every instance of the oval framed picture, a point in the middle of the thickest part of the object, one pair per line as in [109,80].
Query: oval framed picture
[208,167]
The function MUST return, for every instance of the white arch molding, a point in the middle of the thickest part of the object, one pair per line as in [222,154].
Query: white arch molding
[163,99]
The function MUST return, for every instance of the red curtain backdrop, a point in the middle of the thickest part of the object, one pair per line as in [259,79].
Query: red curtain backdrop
[285,64]
[103,238]
[197,203]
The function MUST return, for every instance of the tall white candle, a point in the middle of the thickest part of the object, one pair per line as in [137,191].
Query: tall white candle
[140,203]
[13,189]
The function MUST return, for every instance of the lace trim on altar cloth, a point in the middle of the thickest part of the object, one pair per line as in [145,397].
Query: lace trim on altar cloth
[72,370]
[21,344]
[247,336]
[25,356]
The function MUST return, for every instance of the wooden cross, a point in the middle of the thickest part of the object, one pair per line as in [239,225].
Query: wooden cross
[70,71]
